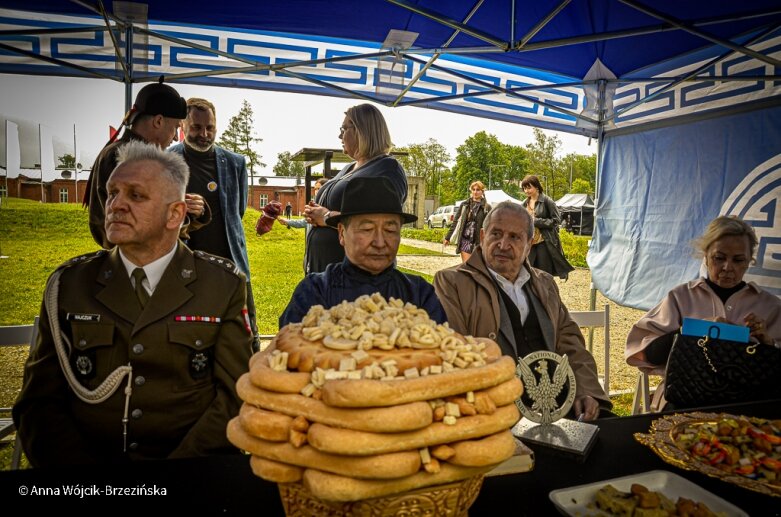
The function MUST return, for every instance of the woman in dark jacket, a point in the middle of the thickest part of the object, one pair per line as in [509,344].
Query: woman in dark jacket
[365,139]
[468,222]
[546,253]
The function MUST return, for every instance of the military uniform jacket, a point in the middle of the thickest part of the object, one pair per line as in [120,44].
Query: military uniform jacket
[184,372]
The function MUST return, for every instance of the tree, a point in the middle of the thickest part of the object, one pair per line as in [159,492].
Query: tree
[480,156]
[542,161]
[581,186]
[428,161]
[285,166]
[67,161]
[583,167]
[239,137]
[516,160]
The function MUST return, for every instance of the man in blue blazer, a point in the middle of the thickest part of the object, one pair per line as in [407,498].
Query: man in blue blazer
[220,176]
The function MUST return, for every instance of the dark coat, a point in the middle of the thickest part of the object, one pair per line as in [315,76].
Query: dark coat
[232,181]
[344,281]
[95,195]
[184,372]
[322,242]
[548,220]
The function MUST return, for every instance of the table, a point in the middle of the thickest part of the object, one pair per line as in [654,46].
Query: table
[225,485]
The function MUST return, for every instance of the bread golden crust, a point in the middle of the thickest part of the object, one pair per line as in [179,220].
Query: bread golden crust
[333,487]
[264,424]
[275,471]
[402,417]
[371,398]
[264,377]
[490,450]
[350,442]
[305,355]
[505,393]
[381,466]
[371,393]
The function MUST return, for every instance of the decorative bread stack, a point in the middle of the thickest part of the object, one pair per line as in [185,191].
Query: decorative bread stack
[373,398]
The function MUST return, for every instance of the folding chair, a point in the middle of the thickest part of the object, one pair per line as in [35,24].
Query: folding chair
[641,402]
[597,319]
[13,336]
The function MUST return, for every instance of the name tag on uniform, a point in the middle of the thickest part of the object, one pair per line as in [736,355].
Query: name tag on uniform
[82,317]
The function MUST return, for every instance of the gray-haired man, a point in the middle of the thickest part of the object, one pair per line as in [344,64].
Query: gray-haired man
[140,347]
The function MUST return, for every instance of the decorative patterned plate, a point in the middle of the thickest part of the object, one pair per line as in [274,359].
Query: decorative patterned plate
[662,440]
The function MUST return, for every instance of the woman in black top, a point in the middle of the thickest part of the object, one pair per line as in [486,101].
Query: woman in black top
[546,253]
[365,139]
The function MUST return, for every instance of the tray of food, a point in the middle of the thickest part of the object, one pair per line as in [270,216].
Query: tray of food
[649,493]
[742,450]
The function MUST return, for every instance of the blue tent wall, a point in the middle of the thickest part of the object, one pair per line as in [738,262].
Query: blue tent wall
[661,187]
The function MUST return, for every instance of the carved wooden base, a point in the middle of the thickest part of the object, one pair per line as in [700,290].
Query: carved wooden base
[449,500]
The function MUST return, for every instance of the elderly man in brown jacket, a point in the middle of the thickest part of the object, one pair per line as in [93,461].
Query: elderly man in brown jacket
[140,347]
[496,294]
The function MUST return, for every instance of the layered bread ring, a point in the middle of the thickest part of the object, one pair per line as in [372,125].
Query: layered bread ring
[372,398]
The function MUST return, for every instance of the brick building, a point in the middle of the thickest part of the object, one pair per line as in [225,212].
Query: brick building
[60,190]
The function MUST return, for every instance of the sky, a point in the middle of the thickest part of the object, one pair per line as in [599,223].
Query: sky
[285,121]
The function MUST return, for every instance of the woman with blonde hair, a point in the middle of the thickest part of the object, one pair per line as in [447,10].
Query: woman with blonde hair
[366,139]
[720,294]
[469,221]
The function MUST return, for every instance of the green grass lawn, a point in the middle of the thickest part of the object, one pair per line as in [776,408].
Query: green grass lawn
[37,238]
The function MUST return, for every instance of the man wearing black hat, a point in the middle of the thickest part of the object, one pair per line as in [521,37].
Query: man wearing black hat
[369,227]
[154,118]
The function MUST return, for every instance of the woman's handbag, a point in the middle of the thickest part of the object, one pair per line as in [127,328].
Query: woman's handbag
[705,371]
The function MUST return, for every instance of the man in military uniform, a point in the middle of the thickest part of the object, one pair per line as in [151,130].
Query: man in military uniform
[140,347]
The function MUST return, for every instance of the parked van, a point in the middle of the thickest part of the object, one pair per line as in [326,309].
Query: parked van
[442,217]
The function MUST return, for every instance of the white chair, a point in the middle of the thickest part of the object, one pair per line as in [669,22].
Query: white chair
[589,319]
[641,402]
[13,336]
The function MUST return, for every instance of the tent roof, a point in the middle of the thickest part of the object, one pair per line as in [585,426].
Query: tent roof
[494,197]
[517,60]
[575,201]
[650,32]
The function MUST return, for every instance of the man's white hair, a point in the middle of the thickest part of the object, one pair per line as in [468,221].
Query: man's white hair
[175,169]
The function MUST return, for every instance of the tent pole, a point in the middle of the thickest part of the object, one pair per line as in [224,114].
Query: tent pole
[128,67]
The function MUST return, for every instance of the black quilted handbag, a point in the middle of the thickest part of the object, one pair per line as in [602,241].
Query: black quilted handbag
[702,371]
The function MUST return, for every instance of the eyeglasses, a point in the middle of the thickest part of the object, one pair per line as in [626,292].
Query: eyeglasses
[343,129]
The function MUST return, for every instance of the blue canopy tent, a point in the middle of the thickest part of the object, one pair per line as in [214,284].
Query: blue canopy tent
[665,88]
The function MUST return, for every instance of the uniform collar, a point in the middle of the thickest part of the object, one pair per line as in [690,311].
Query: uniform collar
[154,270]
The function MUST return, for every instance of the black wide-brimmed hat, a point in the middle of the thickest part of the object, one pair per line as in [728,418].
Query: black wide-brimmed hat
[370,196]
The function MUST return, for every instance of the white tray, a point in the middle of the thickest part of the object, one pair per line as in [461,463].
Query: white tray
[578,500]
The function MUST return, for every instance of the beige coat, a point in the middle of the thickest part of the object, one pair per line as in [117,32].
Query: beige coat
[696,300]
[473,306]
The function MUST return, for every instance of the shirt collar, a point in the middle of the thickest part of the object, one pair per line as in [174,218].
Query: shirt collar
[523,277]
[154,270]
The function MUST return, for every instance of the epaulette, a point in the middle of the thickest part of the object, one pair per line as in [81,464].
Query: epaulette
[81,259]
[218,261]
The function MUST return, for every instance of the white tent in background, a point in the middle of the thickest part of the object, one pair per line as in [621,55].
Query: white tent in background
[494,197]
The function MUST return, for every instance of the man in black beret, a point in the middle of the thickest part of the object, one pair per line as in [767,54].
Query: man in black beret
[369,226]
[154,118]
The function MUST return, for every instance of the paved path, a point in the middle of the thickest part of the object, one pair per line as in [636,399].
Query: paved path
[425,263]
[434,246]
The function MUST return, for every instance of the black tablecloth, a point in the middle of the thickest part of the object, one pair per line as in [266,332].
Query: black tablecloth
[226,486]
